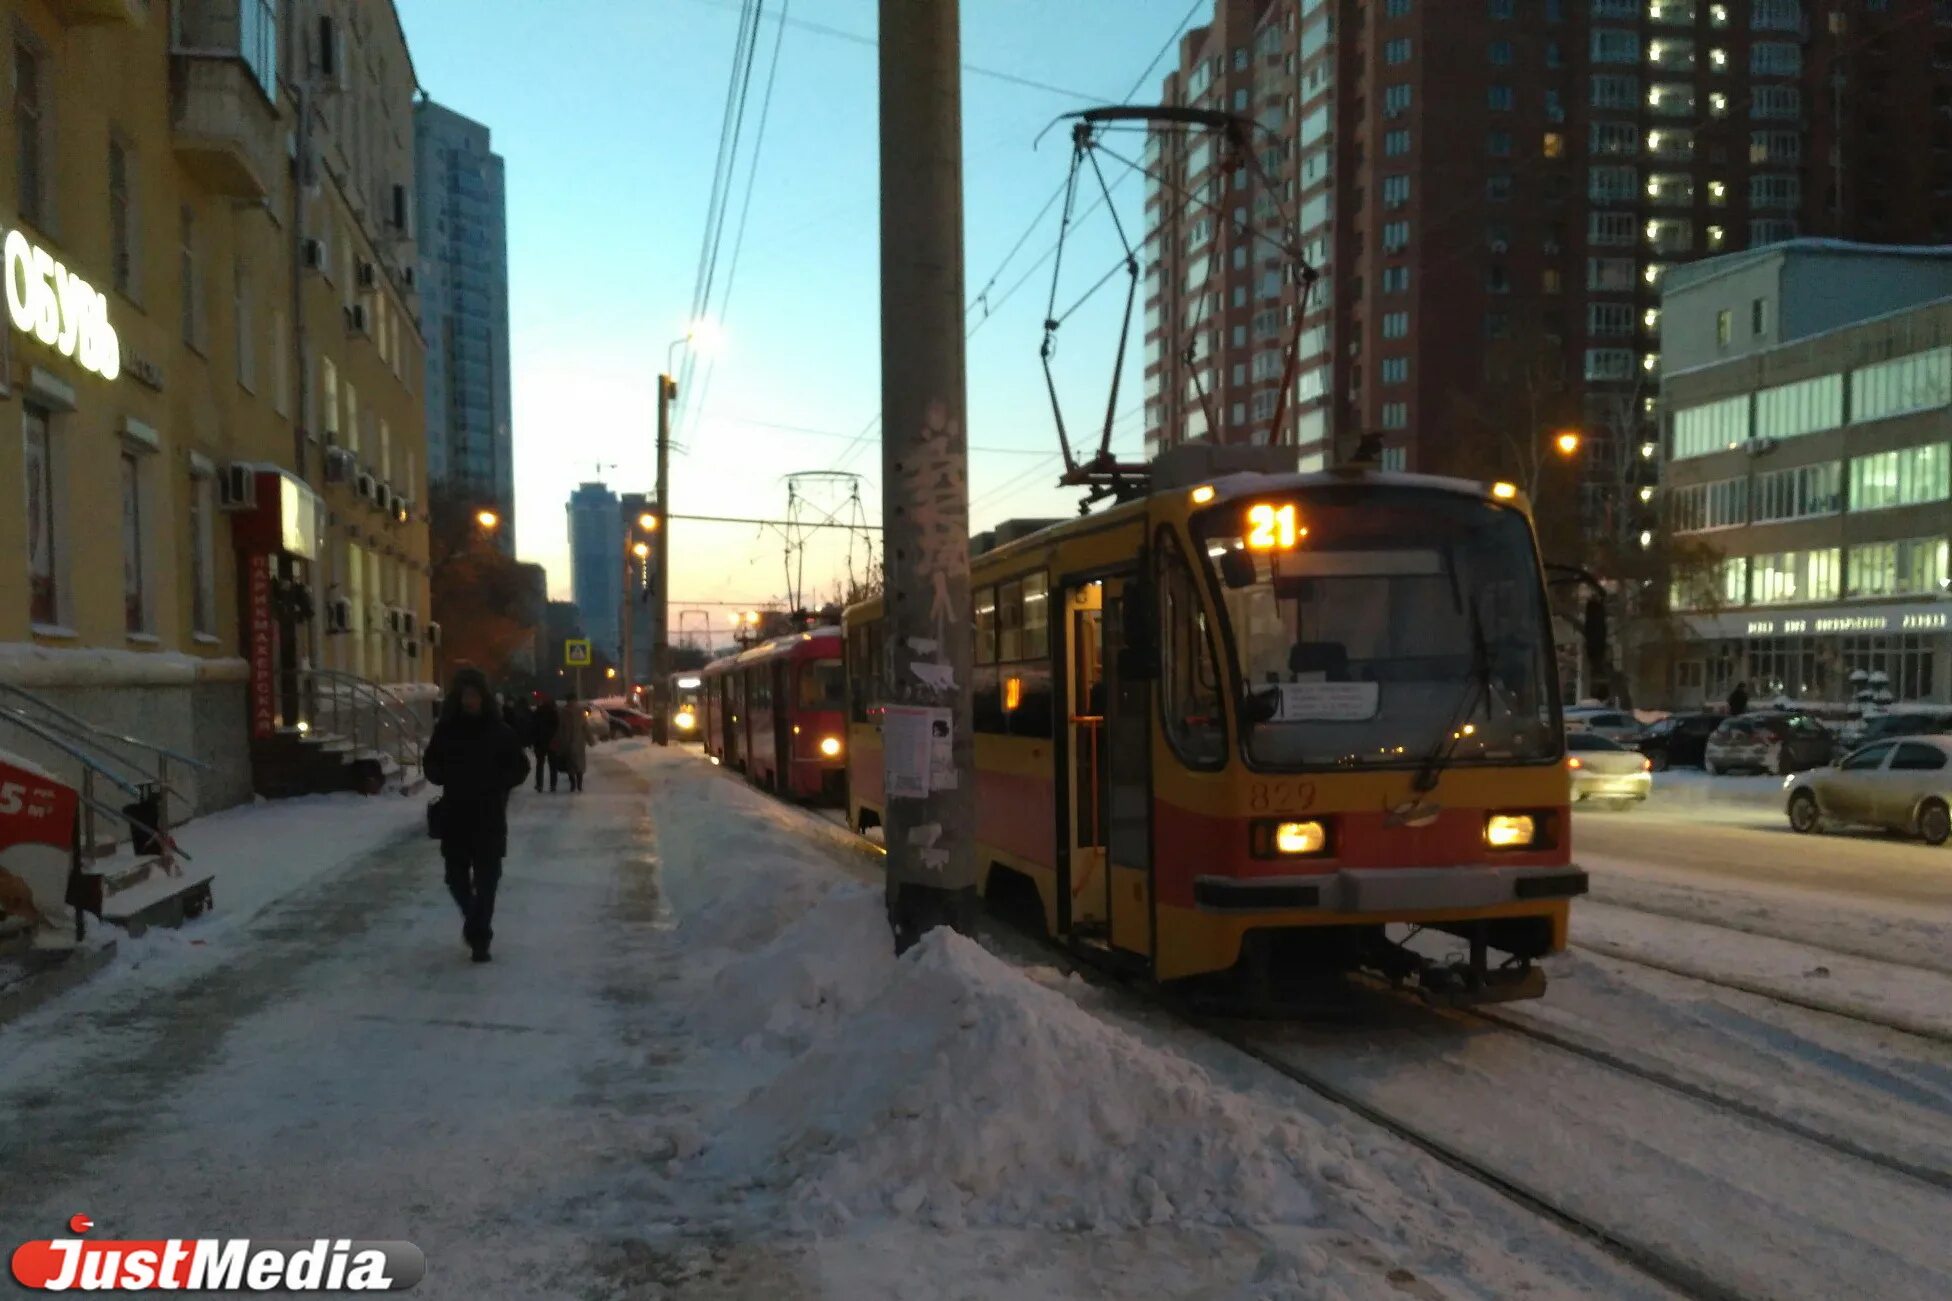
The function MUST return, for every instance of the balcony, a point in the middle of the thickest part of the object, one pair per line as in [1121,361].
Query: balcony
[223,108]
[79,13]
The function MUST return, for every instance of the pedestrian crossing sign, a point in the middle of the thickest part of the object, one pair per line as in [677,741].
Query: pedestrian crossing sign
[576,651]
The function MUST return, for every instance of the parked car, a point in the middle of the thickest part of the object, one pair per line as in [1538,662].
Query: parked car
[1886,727]
[1606,772]
[1613,724]
[1901,785]
[1678,740]
[1768,742]
[628,722]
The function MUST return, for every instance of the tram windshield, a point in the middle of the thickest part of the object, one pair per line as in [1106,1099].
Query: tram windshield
[1384,626]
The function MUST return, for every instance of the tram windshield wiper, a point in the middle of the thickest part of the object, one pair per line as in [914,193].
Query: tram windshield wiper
[1478,690]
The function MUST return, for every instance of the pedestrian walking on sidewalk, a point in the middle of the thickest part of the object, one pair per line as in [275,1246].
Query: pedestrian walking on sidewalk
[573,741]
[1738,699]
[543,739]
[476,760]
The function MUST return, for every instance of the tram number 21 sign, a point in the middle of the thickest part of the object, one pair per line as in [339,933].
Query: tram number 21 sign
[59,308]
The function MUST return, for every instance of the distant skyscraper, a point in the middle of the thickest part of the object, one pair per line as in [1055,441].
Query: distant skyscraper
[462,220]
[596,564]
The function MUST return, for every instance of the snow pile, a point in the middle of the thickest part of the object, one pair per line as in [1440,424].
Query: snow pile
[827,964]
[963,1093]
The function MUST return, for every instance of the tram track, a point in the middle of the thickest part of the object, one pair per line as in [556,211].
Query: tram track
[1639,1247]
[1863,953]
[1773,993]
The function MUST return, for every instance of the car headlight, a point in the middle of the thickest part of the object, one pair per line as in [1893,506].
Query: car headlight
[1275,838]
[830,746]
[685,720]
[1510,830]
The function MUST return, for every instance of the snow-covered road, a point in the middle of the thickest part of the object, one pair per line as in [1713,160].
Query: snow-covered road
[695,1069]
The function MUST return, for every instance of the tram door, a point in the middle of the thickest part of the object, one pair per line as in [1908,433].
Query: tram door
[1088,886]
[1110,768]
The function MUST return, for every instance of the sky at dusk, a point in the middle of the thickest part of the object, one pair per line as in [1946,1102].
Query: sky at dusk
[608,114]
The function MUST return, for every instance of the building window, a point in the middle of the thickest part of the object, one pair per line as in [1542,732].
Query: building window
[1395,370]
[1775,191]
[1553,145]
[1615,45]
[43,597]
[134,614]
[1396,8]
[1613,184]
[1397,51]
[1671,142]
[1396,325]
[1497,279]
[1500,53]
[1698,507]
[1396,280]
[1620,139]
[1671,190]
[1609,320]
[1796,576]
[1610,274]
[1800,493]
[1775,102]
[1497,325]
[203,555]
[1805,407]
[1759,317]
[1775,59]
[1396,143]
[1396,191]
[1711,427]
[1498,144]
[30,132]
[1396,99]
[1617,91]
[1775,147]
[1396,415]
[1671,99]
[1610,228]
[1396,236]
[1500,98]
[192,281]
[1919,382]
[1724,328]
[1776,15]
[1770,231]
[121,218]
[1670,235]
[1497,189]
[1907,567]
[1609,364]
[1908,477]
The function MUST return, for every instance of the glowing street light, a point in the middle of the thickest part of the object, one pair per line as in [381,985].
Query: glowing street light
[610,672]
[641,550]
[647,522]
[1567,441]
[487,519]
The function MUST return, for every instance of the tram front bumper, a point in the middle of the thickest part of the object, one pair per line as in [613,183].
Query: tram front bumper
[1374,890]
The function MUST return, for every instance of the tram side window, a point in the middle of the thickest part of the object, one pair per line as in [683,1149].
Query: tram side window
[1011,683]
[1189,682]
[760,688]
[864,663]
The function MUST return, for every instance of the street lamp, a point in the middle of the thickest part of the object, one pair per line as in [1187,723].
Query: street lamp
[1567,441]
[488,519]
[647,522]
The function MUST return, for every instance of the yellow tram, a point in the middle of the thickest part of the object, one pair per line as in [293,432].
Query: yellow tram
[1268,721]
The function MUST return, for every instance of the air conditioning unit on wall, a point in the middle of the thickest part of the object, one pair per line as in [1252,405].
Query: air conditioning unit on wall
[237,487]
[356,320]
[338,465]
[338,615]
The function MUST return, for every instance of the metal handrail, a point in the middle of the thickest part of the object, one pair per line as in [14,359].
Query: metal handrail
[330,691]
[91,767]
[90,728]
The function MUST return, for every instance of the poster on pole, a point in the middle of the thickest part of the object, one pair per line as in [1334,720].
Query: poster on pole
[576,652]
[909,747]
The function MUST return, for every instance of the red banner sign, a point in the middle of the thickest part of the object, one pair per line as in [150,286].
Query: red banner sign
[260,634]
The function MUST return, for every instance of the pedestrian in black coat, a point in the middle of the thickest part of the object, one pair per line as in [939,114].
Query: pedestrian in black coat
[476,760]
[1738,699]
[542,738]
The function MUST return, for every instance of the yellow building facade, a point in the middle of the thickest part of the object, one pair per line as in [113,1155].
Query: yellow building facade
[212,439]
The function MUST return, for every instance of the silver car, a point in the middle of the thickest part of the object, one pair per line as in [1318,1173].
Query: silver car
[1903,785]
[1604,772]
[1613,724]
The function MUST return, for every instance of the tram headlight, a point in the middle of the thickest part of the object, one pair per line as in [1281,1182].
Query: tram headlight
[1275,838]
[686,720]
[830,746]
[1511,830]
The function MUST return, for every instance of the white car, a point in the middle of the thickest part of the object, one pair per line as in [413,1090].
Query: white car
[1605,772]
[1613,724]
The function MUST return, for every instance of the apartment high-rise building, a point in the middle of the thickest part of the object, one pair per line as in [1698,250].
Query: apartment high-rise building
[596,565]
[461,219]
[1492,191]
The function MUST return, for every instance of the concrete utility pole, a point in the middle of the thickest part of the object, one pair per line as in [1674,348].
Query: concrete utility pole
[929,752]
[667,389]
